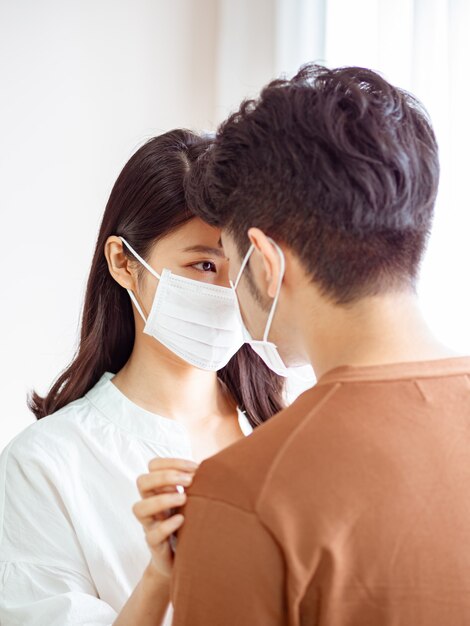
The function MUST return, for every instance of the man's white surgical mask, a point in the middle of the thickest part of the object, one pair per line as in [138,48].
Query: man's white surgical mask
[198,322]
[264,348]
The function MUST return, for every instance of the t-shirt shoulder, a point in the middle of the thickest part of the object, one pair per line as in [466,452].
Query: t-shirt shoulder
[237,474]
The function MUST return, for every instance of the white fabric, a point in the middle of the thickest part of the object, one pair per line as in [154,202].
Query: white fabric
[71,551]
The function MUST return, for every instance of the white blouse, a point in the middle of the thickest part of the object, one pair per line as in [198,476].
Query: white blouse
[71,550]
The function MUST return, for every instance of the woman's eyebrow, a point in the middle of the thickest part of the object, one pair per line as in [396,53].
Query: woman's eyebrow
[206,249]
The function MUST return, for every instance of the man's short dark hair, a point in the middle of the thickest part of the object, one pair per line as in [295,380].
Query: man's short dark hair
[338,165]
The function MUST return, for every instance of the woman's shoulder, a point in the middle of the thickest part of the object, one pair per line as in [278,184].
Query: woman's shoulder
[55,433]
[38,464]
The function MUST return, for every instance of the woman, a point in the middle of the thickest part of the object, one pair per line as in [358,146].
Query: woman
[158,376]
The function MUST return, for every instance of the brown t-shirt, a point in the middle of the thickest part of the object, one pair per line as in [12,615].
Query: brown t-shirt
[349,508]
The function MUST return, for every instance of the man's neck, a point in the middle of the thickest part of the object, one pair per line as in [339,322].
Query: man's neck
[374,331]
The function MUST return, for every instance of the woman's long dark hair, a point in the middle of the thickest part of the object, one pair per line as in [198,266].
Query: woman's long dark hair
[146,204]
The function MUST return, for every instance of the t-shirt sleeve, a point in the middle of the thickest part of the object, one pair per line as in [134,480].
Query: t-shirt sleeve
[44,577]
[228,568]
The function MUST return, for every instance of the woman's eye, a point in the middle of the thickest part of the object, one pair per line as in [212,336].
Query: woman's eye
[205,266]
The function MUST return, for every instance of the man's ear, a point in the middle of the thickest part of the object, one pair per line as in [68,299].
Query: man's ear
[270,257]
[119,264]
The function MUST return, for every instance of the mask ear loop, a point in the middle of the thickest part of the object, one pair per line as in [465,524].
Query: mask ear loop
[278,289]
[148,267]
[139,258]
[243,265]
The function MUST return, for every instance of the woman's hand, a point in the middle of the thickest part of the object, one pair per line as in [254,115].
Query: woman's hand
[155,511]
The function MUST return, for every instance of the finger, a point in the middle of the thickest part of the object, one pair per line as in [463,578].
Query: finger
[156,506]
[161,531]
[170,463]
[155,480]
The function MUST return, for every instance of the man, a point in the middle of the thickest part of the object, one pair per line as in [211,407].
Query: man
[349,508]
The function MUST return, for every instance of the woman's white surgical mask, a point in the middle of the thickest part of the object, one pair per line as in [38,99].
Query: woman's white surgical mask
[198,322]
[264,348]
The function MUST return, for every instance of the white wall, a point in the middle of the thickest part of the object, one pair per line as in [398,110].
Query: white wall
[424,46]
[83,84]
[246,49]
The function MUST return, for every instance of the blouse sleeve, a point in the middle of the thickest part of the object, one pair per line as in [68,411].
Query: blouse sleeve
[44,578]
[33,594]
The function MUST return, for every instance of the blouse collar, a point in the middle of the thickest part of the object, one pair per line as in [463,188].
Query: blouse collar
[117,408]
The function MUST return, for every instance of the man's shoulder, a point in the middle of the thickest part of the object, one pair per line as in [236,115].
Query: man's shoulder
[237,474]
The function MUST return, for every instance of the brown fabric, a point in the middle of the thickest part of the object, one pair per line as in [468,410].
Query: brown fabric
[349,508]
